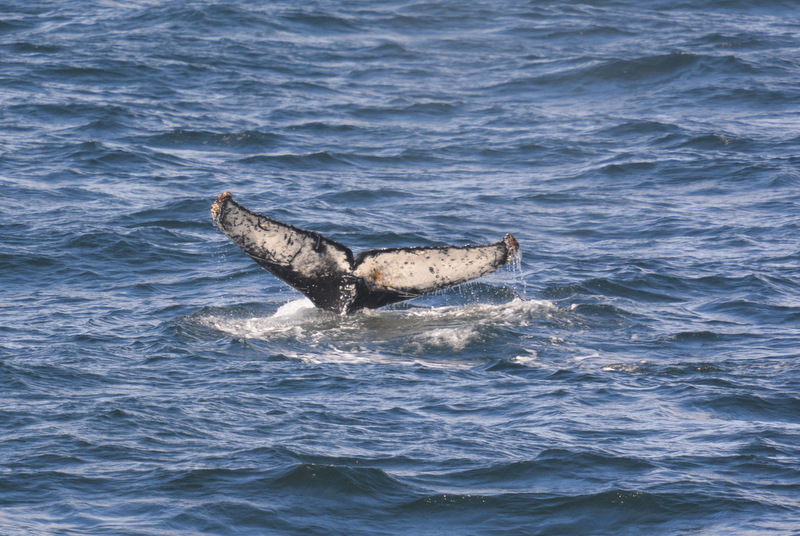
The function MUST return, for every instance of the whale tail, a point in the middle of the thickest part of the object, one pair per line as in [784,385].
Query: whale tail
[334,279]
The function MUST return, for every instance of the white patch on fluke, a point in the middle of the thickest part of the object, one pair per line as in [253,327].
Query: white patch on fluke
[421,270]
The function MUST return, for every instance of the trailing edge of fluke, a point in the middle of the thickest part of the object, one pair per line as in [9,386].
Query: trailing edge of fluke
[335,280]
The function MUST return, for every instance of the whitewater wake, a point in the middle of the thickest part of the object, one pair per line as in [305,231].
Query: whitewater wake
[375,334]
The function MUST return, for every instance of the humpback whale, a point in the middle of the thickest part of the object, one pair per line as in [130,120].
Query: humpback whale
[334,279]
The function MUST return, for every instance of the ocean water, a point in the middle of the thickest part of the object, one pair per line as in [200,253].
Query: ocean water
[637,372]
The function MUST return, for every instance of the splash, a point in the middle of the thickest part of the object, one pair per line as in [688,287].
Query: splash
[293,309]
[289,321]
[516,268]
[518,311]
[457,338]
[299,329]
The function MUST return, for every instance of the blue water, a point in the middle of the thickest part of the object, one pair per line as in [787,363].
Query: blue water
[637,373]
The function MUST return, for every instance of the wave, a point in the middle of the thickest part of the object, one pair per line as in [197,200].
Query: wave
[241,141]
[200,18]
[590,74]
[749,407]
[354,482]
[308,161]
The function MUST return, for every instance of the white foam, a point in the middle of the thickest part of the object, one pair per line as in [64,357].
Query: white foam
[336,356]
[516,311]
[456,338]
[373,335]
[592,354]
[294,308]
[527,360]
[287,321]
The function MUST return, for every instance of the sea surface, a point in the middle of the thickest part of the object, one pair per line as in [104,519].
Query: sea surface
[637,372]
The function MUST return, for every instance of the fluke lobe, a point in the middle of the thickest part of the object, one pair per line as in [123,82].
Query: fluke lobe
[335,280]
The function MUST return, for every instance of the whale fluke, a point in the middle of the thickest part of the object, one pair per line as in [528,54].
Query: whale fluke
[335,280]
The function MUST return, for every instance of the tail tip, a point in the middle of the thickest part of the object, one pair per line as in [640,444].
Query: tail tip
[511,242]
[512,247]
[217,206]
